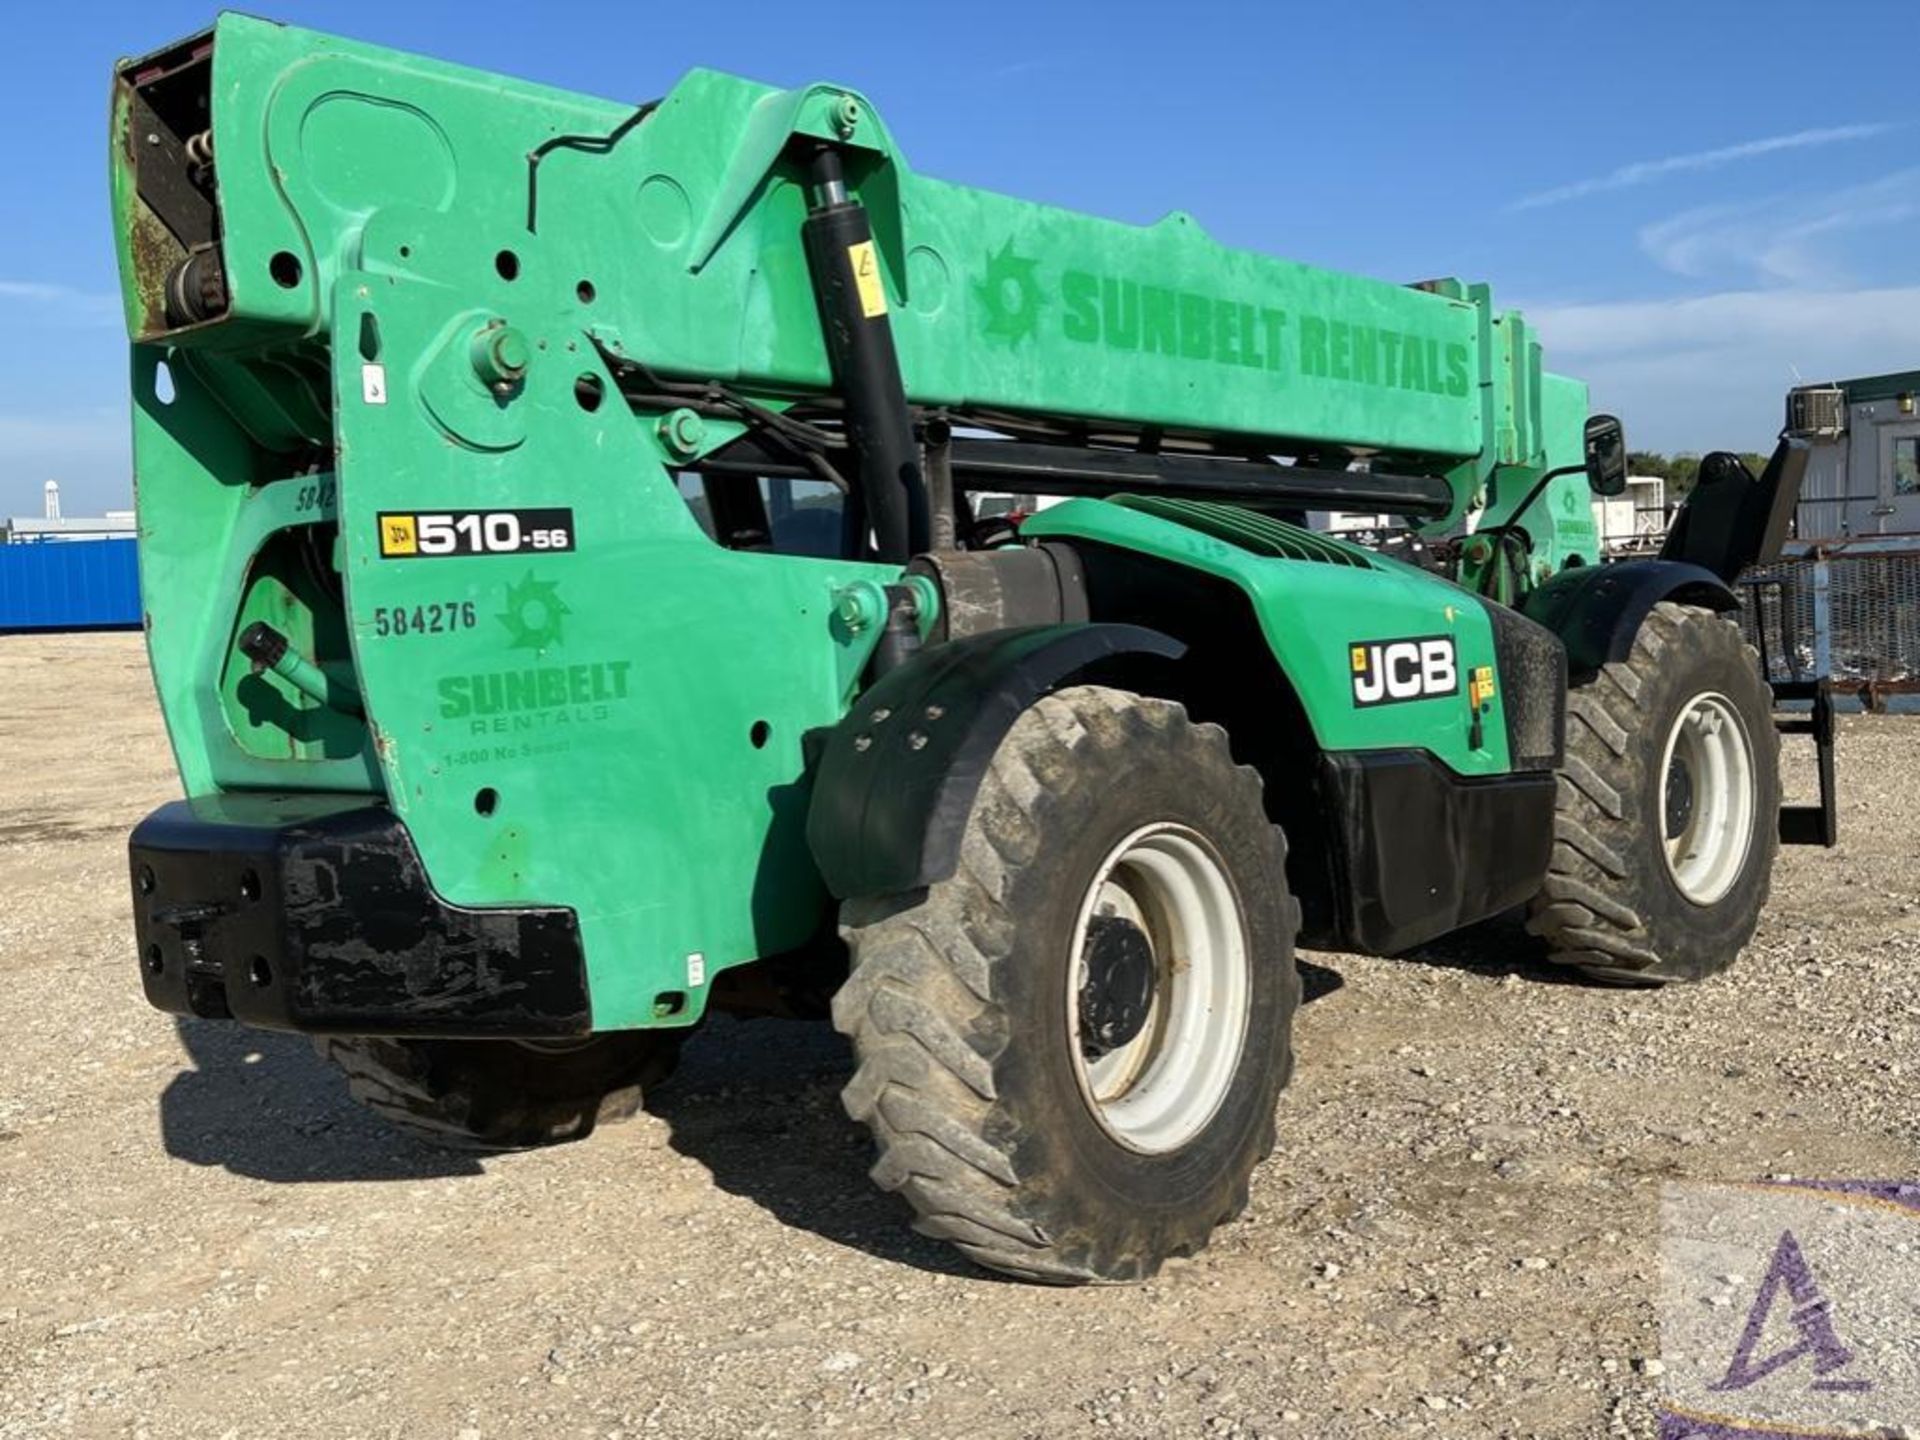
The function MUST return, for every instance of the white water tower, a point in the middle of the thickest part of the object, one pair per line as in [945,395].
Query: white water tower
[53,499]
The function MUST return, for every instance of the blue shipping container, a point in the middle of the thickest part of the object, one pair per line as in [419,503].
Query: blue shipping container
[70,585]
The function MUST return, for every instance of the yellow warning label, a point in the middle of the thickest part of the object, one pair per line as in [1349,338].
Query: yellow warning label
[866,276]
[399,535]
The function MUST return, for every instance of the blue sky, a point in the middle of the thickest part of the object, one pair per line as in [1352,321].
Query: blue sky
[1692,200]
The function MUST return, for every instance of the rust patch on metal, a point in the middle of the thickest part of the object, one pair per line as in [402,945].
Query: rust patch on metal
[155,252]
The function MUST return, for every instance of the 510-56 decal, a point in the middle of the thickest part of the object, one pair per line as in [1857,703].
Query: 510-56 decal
[438,534]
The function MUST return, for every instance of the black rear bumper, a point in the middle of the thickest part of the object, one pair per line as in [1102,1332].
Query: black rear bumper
[313,912]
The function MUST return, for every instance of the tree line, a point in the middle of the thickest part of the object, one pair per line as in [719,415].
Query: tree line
[1680,471]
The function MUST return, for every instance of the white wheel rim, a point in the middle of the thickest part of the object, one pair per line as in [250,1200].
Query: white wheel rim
[1158,1090]
[1707,798]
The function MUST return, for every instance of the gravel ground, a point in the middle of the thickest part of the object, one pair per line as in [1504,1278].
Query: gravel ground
[200,1235]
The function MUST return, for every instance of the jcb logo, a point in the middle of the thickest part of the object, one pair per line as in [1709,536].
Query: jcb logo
[1385,671]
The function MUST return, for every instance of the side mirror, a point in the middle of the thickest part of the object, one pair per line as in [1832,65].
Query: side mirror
[1606,456]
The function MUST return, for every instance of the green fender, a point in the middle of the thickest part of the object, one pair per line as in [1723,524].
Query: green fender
[1322,605]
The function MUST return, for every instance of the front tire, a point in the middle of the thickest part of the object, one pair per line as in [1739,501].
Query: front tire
[1069,1053]
[1667,824]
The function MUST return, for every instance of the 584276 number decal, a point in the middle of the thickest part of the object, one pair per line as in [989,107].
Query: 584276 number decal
[438,618]
[437,534]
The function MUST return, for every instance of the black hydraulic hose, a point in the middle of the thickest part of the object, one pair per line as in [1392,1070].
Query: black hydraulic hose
[592,144]
[268,649]
[939,451]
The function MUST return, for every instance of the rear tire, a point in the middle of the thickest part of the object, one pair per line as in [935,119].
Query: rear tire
[1668,803]
[1052,1122]
[501,1094]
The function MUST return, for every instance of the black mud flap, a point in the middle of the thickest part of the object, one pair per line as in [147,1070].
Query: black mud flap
[313,913]
[1420,851]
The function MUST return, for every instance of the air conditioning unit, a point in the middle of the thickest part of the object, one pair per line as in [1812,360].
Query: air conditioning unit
[1817,412]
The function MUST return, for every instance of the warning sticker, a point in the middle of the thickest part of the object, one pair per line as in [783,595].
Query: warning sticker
[866,276]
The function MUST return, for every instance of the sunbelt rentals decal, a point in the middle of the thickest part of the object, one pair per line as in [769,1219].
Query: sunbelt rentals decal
[1018,298]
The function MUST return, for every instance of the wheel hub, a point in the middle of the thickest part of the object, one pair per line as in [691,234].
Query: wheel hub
[1708,797]
[1679,797]
[1159,989]
[1119,978]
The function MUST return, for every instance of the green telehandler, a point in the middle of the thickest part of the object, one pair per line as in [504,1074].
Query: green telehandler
[573,605]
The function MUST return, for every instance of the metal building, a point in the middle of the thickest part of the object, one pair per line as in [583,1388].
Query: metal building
[1843,601]
[69,572]
[1635,521]
[61,586]
[1863,475]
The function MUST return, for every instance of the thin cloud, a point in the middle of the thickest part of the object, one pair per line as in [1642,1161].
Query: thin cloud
[1730,320]
[1783,240]
[85,307]
[1642,172]
[1710,371]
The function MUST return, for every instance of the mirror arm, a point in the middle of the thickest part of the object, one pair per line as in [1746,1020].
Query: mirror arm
[1511,523]
[1513,520]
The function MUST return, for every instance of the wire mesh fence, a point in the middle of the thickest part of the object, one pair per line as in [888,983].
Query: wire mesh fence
[1854,615]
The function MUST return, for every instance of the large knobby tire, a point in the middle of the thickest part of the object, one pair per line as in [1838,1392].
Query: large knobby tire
[501,1094]
[1665,835]
[1050,1127]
